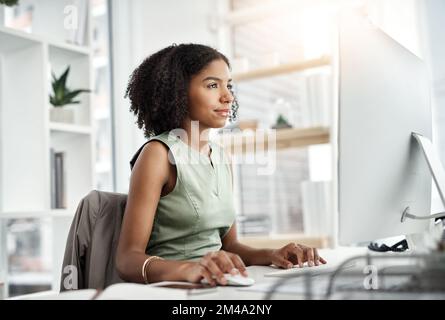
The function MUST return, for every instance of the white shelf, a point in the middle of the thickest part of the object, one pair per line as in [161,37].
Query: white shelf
[12,40]
[243,142]
[69,128]
[53,213]
[70,50]
[322,61]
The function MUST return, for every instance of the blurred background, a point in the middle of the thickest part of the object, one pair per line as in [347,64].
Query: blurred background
[53,151]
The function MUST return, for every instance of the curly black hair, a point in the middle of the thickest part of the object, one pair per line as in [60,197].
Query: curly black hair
[158,87]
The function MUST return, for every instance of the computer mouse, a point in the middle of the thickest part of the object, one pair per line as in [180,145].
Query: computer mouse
[235,280]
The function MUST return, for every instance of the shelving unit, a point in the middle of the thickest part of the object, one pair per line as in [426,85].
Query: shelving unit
[53,213]
[283,69]
[69,128]
[254,38]
[285,138]
[26,63]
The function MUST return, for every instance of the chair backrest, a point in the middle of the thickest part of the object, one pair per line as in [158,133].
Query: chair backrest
[89,260]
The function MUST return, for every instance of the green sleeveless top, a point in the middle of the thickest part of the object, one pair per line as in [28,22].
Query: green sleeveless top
[193,218]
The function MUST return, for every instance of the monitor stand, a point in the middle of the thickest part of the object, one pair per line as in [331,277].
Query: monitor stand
[437,172]
[416,242]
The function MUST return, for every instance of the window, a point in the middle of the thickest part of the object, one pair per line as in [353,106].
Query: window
[102,108]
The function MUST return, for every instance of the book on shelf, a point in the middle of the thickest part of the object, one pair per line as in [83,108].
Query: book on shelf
[77,22]
[58,179]
[52,178]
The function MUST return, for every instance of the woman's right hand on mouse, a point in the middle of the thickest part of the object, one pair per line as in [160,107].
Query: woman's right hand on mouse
[213,266]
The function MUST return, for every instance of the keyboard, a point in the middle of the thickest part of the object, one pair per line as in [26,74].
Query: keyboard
[296,270]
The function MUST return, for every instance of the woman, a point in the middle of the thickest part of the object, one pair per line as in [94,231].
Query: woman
[179,222]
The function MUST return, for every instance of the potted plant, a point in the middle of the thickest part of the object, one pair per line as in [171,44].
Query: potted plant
[281,123]
[61,97]
[9,3]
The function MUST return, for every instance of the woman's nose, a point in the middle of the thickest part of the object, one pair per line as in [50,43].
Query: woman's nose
[227,97]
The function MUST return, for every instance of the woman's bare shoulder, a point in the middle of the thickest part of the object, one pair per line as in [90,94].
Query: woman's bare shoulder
[154,156]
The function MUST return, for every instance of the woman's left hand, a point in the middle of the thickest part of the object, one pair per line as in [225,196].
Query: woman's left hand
[293,254]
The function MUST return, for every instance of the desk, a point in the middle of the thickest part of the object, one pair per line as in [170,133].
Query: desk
[257,272]
[222,292]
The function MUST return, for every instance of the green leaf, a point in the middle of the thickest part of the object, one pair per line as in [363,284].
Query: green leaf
[60,93]
[281,120]
[64,77]
[52,100]
[71,95]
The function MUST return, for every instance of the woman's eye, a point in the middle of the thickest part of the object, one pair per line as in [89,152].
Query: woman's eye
[230,87]
[213,85]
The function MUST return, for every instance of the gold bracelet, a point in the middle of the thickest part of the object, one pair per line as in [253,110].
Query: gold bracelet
[146,265]
[143,269]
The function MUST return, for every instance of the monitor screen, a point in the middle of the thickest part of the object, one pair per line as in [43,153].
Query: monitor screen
[384,96]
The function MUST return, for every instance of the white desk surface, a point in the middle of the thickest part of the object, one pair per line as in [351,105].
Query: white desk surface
[294,290]
[237,293]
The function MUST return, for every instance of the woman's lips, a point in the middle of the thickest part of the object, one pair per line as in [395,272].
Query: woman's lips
[222,112]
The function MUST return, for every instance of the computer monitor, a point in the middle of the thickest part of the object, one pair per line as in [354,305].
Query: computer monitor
[384,97]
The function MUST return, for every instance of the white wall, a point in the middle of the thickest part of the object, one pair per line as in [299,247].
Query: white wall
[139,28]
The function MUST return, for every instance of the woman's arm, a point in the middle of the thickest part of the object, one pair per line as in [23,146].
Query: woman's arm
[285,257]
[149,175]
[249,255]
